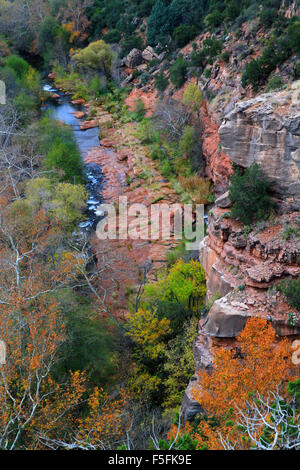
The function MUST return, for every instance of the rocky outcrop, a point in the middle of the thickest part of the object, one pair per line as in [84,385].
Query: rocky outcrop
[255,259]
[148,54]
[266,130]
[242,268]
[134,58]
[218,164]
[223,200]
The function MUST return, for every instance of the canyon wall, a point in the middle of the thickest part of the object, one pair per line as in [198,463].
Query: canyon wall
[266,130]
[243,265]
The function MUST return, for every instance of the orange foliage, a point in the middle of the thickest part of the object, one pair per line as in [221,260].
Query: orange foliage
[70,27]
[35,408]
[106,422]
[260,365]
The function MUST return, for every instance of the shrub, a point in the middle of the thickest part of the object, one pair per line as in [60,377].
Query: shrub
[226,56]
[139,109]
[207,72]
[199,188]
[275,83]
[25,103]
[253,74]
[62,156]
[178,72]
[291,289]
[166,169]
[161,82]
[249,194]
[214,19]
[267,17]
[187,141]
[192,97]
[183,34]
[145,77]
[293,34]
[18,65]
[289,232]
[112,36]
[212,47]
[185,284]
[179,252]
[134,41]
[145,131]
[198,58]
[297,69]
[97,86]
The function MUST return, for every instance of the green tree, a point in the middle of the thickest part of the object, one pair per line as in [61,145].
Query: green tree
[214,19]
[249,194]
[18,65]
[64,158]
[253,74]
[64,203]
[158,23]
[183,34]
[185,283]
[291,289]
[161,82]
[96,56]
[178,72]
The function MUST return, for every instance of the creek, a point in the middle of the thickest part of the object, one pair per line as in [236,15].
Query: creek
[62,109]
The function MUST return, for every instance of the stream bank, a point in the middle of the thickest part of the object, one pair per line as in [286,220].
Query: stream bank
[117,167]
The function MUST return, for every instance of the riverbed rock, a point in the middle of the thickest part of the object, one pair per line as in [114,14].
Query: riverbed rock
[79,114]
[266,130]
[89,124]
[78,101]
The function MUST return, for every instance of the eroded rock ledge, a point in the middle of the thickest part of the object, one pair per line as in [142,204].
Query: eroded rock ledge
[242,269]
[266,129]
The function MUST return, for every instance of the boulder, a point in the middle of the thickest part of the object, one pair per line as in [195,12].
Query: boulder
[223,201]
[79,114]
[127,80]
[78,101]
[224,320]
[134,58]
[89,124]
[148,54]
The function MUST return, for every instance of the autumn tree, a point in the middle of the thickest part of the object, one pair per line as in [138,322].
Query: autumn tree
[73,14]
[259,365]
[270,423]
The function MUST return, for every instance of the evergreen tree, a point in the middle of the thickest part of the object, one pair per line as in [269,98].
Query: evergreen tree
[158,23]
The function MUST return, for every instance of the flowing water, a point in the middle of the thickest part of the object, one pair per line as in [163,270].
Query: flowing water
[63,110]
